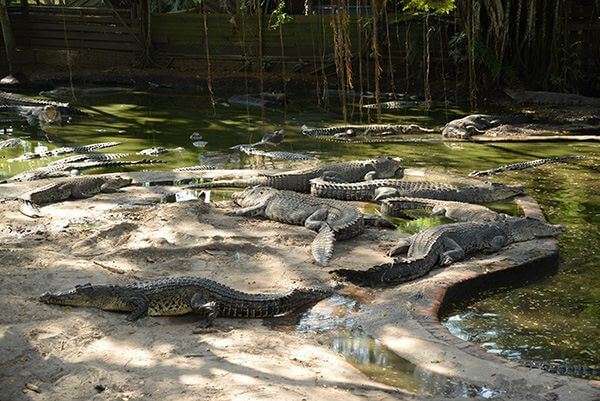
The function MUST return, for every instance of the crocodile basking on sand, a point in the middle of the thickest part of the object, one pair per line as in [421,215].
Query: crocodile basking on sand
[299,180]
[277,155]
[181,295]
[524,165]
[75,188]
[365,190]
[67,169]
[370,129]
[446,244]
[457,211]
[482,193]
[331,219]
[464,128]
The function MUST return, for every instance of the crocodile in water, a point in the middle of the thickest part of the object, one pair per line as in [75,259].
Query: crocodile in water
[88,157]
[75,188]
[66,150]
[330,218]
[483,193]
[397,104]
[182,295]
[365,190]
[249,150]
[457,211]
[299,180]
[524,165]
[44,115]
[10,143]
[67,169]
[371,129]
[158,150]
[446,244]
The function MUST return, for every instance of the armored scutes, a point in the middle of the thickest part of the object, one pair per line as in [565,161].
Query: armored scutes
[397,104]
[76,188]
[366,190]
[182,295]
[484,193]
[13,99]
[524,165]
[195,168]
[299,180]
[443,245]
[331,219]
[10,143]
[371,129]
[457,211]
[464,128]
[88,157]
[249,150]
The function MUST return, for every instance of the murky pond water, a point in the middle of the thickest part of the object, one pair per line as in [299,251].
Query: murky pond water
[555,318]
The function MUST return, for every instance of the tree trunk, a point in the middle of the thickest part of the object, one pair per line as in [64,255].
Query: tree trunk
[9,40]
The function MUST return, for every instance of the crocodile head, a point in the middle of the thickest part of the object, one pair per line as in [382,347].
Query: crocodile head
[388,167]
[117,182]
[528,228]
[99,296]
[503,191]
[253,196]
[50,115]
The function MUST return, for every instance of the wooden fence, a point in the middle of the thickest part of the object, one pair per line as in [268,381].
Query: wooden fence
[56,27]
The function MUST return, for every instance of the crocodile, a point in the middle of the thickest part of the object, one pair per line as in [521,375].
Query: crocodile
[269,138]
[330,218]
[182,295]
[457,211]
[365,190]
[257,101]
[89,157]
[485,192]
[66,150]
[464,128]
[551,98]
[562,368]
[67,169]
[44,115]
[74,188]
[13,99]
[299,180]
[397,104]
[524,165]
[370,129]
[443,245]
[158,150]
[249,150]
[195,168]
[10,143]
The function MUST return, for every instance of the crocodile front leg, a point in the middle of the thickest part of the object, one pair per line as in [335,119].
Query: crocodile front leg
[207,310]
[453,253]
[316,220]
[401,246]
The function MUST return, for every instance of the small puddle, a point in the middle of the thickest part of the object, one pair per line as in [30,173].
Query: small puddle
[332,322]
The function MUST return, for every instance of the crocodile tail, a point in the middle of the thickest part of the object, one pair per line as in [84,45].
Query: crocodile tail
[392,273]
[230,183]
[29,209]
[322,246]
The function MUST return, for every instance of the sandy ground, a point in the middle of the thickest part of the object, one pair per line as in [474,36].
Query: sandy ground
[59,353]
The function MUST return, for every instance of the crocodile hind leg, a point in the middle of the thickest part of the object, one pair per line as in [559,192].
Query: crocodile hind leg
[140,308]
[207,310]
[322,245]
[453,252]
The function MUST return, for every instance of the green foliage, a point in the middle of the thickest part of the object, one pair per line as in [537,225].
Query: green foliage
[570,74]
[279,17]
[441,6]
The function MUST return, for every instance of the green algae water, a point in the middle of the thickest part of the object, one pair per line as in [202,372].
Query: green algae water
[555,318]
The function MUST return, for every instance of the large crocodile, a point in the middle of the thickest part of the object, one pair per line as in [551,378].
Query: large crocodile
[457,211]
[87,157]
[75,188]
[524,165]
[464,128]
[331,219]
[370,129]
[365,190]
[482,193]
[277,155]
[299,180]
[181,295]
[67,169]
[66,150]
[446,244]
